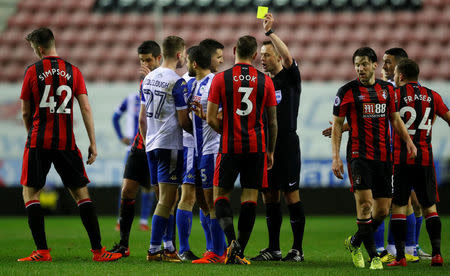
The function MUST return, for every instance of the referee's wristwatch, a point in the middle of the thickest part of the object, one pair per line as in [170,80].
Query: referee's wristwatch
[269,32]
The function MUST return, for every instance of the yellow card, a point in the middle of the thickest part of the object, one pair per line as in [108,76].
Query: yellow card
[261,12]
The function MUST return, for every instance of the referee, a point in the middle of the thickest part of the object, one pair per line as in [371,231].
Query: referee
[285,174]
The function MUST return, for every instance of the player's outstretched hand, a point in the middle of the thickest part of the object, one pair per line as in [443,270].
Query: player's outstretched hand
[92,154]
[125,141]
[143,71]
[338,168]
[268,22]
[198,110]
[412,150]
[269,160]
[327,132]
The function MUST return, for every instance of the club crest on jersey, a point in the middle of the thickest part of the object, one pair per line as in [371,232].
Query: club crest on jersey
[384,94]
[337,101]
[278,96]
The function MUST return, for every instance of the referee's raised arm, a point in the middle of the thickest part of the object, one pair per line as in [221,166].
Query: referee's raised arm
[278,44]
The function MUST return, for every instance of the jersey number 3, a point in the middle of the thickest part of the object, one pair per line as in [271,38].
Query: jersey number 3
[49,101]
[249,105]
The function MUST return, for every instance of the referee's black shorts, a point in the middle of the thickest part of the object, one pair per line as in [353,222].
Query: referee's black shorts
[285,173]
[136,168]
[421,178]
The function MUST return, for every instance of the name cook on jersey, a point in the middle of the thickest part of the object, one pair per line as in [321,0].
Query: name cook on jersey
[51,72]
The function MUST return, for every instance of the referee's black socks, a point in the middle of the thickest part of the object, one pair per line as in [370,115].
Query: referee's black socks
[36,223]
[90,222]
[274,220]
[246,222]
[126,216]
[297,216]
[224,215]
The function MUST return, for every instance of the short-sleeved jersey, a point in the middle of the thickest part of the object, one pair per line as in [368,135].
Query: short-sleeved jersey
[418,107]
[244,93]
[130,106]
[207,140]
[162,94]
[188,139]
[367,109]
[50,85]
[287,90]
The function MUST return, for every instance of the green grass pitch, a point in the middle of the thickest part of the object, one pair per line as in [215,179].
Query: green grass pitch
[323,247]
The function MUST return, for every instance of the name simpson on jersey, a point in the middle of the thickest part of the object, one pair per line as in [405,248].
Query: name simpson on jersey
[51,72]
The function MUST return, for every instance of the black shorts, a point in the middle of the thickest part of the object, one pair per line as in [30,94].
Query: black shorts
[421,178]
[136,168]
[285,173]
[68,164]
[251,166]
[371,174]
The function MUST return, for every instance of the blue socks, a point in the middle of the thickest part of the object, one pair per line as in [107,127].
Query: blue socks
[218,237]
[418,226]
[378,236]
[159,225]
[147,202]
[410,244]
[205,221]
[184,224]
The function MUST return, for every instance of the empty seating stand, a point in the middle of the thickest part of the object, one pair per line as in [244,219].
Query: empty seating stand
[101,37]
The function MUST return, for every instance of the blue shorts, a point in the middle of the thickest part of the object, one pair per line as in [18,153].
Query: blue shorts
[206,166]
[166,166]
[190,172]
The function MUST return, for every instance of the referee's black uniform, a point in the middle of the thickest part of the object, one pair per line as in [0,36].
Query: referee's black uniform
[285,174]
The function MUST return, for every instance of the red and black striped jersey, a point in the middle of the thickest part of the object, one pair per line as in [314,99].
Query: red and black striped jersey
[367,109]
[50,85]
[243,92]
[138,142]
[418,107]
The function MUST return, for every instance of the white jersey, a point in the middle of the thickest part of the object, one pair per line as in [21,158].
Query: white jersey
[188,139]
[207,140]
[129,107]
[162,94]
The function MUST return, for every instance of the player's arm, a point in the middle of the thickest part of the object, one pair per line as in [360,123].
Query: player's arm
[26,114]
[212,110]
[143,122]
[446,117]
[400,129]
[86,113]
[336,136]
[116,118]
[184,120]
[327,132]
[278,44]
[273,131]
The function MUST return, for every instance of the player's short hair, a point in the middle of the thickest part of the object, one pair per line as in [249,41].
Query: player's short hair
[365,52]
[211,45]
[189,50]
[149,47]
[398,53]
[409,69]
[201,56]
[246,46]
[42,37]
[171,45]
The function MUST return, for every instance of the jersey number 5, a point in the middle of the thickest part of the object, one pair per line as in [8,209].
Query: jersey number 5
[246,100]
[49,101]
[425,123]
